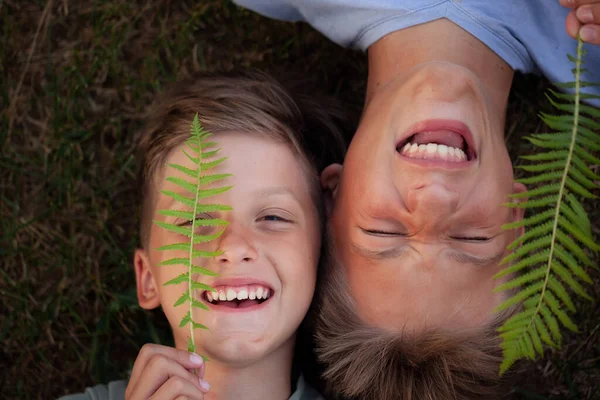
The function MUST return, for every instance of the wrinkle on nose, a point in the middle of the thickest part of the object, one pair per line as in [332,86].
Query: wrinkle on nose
[236,247]
[434,201]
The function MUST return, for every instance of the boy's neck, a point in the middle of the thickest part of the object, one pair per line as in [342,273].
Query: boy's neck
[439,40]
[266,379]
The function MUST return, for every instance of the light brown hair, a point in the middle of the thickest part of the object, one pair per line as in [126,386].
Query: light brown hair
[241,101]
[362,361]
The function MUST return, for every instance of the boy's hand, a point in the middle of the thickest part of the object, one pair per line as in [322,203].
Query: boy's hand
[164,373]
[584,19]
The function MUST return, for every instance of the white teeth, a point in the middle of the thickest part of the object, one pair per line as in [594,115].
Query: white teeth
[251,292]
[434,151]
[442,150]
[231,294]
[431,149]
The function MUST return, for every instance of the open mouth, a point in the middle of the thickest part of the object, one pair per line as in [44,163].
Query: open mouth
[443,145]
[238,296]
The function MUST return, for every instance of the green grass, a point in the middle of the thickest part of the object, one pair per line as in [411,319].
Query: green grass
[68,225]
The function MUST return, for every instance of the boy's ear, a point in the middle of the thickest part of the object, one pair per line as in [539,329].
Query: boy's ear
[518,213]
[147,289]
[330,179]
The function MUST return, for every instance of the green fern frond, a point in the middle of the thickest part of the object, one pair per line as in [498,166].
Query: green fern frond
[548,262]
[196,224]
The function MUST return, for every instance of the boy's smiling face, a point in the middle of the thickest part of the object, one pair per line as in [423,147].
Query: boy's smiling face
[272,243]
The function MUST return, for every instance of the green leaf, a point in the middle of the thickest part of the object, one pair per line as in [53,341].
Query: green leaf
[186,201]
[182,230]
[559,290]
[529,221]
[205,180]
[186,320]
[562,316]
[211,164]
[206,238]
[205,193]
[192,173]
[175,261]
[182,183]
[179,279]
[182,299]
[567,278]
[188,215]
[523,279]
[517,298]
[201,286]
[199,270]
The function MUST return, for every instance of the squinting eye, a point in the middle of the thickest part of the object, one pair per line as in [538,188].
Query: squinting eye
[475,238]
[189,222]
[383,233]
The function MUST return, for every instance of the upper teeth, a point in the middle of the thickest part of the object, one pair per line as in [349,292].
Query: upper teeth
[229,293]
[433,151]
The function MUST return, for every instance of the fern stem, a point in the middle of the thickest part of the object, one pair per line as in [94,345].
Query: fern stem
[563,181]
[191,253]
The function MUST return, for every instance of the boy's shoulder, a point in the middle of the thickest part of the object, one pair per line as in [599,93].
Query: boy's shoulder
[114,390]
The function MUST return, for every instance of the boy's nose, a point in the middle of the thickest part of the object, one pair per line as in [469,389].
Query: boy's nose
[236,248]
[434,201]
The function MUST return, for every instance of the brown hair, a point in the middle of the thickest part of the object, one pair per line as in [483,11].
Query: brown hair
[243,101]
[366,362]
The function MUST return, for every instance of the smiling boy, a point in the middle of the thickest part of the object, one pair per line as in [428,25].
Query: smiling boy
[276,143]
[416,232]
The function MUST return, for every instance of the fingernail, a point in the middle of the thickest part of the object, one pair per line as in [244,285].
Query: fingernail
[204,385]
[588,33]
[584,14]
[196,359]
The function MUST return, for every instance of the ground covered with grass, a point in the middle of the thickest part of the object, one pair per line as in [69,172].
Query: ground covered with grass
[75,78]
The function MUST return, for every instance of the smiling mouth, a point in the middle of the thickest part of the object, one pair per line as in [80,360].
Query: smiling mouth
[437,145]
[238,296]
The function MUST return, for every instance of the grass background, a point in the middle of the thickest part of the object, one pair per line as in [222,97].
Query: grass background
[75,78]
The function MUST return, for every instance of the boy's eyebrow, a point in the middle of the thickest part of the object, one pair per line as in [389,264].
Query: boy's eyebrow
[275,191]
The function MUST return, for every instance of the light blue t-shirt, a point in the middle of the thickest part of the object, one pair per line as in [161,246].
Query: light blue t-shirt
[529,35]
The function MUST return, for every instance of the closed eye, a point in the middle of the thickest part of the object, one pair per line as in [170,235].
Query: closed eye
[377,232]
[472,239]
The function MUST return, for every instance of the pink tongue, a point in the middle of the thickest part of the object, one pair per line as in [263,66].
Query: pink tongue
[234,304]
[448,138]
[248,303]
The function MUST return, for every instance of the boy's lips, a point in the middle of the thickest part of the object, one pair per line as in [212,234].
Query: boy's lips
[438,143]
[238,295]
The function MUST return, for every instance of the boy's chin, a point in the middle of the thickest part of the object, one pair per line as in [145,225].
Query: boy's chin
[240,351]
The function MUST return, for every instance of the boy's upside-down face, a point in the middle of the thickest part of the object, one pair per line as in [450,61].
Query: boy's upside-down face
[267,271]
[418,209]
